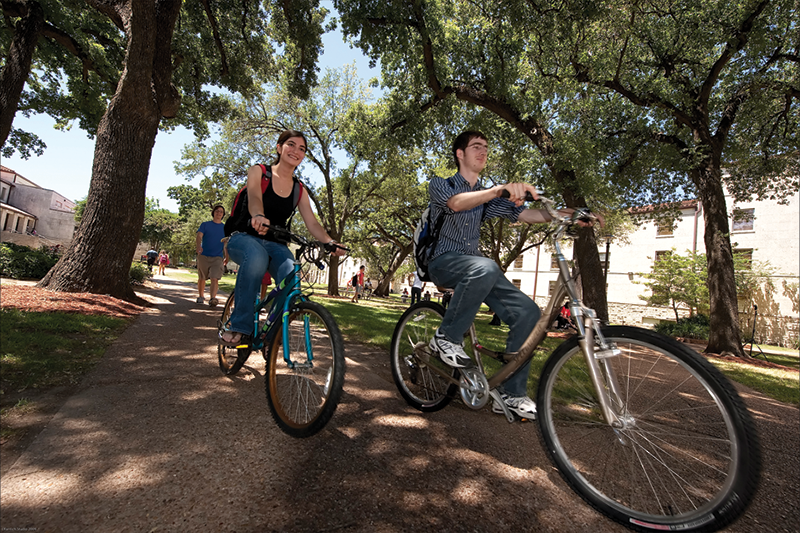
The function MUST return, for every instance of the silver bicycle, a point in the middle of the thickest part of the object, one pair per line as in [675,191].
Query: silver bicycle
[644,429]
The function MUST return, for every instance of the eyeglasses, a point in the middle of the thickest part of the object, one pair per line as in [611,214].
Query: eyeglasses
[479,147]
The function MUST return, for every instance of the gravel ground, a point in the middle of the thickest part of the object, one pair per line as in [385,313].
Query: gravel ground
[157,439]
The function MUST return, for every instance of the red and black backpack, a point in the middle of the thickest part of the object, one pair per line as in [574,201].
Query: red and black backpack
[239,219]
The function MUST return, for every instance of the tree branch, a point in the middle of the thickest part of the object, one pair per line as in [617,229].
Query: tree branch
[217,40]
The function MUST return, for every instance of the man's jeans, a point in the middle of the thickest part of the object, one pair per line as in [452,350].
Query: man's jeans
[255,256]
[476,280]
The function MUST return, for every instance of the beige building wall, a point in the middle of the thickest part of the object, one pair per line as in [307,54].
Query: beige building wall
[773,235]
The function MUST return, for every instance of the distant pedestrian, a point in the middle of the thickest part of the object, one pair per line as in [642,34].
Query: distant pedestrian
[211,255]
[358,284]
[163,261]
[416,289]
[152,257]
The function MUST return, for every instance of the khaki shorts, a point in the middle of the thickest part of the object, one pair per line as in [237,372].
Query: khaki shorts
[210,267]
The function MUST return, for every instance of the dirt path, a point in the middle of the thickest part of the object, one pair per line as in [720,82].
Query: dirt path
[157,439]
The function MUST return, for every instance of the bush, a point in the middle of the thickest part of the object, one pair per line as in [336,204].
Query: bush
[140,273]
[23,262]
[693,327]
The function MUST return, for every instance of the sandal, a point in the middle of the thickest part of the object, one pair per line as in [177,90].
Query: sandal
[213,302]
[231,338]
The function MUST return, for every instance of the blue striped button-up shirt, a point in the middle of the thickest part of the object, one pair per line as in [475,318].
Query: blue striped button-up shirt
[461,231]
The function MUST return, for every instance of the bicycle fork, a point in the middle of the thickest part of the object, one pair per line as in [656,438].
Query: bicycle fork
[601,372]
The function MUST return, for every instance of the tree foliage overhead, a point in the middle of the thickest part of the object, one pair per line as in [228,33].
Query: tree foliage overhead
[121,69]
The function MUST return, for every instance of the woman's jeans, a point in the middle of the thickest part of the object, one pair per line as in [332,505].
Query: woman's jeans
[476,280]
[255,256]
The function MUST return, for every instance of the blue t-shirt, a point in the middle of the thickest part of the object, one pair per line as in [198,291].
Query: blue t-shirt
[212,238]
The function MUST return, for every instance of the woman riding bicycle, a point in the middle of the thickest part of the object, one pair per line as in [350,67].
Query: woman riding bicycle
[254,248]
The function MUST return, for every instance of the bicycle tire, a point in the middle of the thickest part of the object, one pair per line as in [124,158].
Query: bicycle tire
[303,399]
[422,388]
[689,457]
[230,359]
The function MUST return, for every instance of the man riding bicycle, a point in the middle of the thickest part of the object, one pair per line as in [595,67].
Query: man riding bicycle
[457,263]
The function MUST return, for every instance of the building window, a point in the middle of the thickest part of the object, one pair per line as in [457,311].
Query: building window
[665,229]
[743,259]
[743,219]
[661,254]
[516,282]
[518,261]
[4,193]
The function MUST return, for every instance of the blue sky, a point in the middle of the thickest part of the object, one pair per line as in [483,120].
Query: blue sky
[66,166]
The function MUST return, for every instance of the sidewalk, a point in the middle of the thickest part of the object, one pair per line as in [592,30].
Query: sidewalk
[158,440]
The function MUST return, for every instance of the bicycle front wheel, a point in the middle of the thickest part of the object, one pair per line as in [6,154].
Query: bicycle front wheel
[229,358]
[304,386]
[686,455]
[421,386]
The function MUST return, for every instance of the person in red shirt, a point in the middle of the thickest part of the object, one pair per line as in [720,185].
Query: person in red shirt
[359,288]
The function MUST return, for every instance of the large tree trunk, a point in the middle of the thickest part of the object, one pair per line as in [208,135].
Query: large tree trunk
[333,276]
[724,337]
[18,61]
[385,283]
[98,259]
[591,269]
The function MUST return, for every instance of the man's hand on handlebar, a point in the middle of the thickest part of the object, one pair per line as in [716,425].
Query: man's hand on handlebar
[583,221]
[519,193]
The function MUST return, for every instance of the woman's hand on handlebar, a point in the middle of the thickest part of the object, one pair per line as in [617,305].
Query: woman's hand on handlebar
[260,223]
[334,248]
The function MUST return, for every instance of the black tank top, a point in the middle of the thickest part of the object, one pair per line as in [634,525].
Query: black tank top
[277,209]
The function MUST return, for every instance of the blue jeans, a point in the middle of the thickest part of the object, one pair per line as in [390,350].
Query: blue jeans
[476,280]
[255,256]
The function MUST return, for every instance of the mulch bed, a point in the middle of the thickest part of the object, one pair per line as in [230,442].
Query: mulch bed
[31,298]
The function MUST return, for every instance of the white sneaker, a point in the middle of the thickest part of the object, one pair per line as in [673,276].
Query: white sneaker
[199,300]
[450,353]
[522,406]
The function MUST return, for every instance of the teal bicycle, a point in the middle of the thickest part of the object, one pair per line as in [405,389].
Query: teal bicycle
[301,343]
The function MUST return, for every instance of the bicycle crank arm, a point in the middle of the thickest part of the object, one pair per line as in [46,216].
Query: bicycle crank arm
[499,401]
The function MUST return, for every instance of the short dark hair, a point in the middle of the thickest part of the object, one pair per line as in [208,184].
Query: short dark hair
[462,141]
[285,136]
[217,207]
[362,266]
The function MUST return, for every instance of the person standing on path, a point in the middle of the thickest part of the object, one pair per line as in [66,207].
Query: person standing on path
[211,256]
[416,289]
[359,286]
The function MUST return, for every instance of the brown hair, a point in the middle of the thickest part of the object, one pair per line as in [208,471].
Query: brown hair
[462,141]
[285,136]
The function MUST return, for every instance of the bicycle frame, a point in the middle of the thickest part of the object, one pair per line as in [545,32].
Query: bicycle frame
[589,335]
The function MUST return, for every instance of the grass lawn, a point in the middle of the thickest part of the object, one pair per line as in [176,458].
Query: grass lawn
[45,350]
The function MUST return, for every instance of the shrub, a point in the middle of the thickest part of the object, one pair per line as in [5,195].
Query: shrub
[140,273]
[20,262]
[693,327]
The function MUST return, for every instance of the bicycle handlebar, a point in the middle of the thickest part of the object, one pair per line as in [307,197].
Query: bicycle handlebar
[582,214]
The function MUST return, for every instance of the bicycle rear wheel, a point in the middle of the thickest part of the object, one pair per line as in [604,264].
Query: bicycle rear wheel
[230,359]
[687,455]
[303,394]
[420,386]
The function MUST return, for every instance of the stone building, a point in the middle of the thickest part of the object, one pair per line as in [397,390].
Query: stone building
[32,215]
